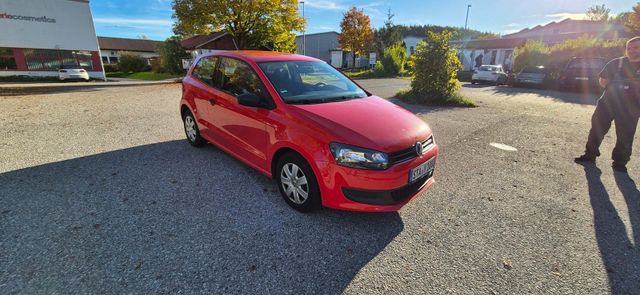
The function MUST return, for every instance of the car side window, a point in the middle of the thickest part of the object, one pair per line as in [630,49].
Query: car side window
[236,77]
[205,70]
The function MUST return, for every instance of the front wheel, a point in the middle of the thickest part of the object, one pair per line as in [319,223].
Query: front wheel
[191,130]
[297,183]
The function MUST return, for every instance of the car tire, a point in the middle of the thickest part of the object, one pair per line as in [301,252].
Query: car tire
[191,130]
[295,179]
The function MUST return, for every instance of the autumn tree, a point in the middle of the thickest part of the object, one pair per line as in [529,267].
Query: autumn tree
[598,13]
[356,34]
[632,22]
[251,24]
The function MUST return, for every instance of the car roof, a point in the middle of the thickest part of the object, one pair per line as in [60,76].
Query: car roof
[262,56]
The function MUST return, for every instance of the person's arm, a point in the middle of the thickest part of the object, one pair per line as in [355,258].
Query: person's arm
[607,72]
[603,82]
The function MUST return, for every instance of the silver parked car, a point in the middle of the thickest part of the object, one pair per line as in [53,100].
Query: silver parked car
[531,76]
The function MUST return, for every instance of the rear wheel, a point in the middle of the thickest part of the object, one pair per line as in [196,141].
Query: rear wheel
[191,130]
[297,183]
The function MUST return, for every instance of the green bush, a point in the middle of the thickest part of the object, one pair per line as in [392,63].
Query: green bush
[378,68]
[393,59]
[111,68]
[132,63]
[436,65]
[532,53]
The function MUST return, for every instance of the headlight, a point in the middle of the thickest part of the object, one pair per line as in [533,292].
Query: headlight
[356,157]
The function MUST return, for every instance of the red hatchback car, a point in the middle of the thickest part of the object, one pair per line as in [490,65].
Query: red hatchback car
[325,140]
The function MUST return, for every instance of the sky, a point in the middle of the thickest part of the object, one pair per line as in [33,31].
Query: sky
[152,18]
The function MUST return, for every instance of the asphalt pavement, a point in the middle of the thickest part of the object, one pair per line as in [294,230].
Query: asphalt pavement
[100,193]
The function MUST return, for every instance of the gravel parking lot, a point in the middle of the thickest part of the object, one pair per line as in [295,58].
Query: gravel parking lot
[100,193]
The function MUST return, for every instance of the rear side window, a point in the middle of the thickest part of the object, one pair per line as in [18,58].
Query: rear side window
[205,70]
[236,77]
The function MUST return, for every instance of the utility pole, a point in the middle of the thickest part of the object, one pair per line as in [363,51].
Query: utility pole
[304,38]
[466,19]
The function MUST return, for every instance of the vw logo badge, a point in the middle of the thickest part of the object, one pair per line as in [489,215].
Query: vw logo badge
[418,147]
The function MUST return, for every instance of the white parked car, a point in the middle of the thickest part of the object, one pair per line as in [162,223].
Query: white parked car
[489,73]
[72,72]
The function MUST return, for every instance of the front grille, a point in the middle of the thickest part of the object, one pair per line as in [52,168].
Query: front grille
[410,152]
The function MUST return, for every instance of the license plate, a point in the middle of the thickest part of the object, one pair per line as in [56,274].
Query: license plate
[422,170]
[582,78]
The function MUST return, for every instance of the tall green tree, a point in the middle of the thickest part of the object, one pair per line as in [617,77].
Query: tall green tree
[632,23]
[598,13]
[356,34]
[171,55]
[387,36]
[252,24]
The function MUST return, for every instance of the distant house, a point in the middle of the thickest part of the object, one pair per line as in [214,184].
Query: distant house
[201,44]
[111,48]
[410,43]
[500,50]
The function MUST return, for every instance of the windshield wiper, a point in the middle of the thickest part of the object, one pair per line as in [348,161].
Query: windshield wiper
[339,98]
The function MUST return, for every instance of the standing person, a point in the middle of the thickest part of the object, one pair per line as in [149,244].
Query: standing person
[620,102]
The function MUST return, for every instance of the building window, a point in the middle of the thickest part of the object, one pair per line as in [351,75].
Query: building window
[105,60]
[52,60]
[7,60]
[114,59]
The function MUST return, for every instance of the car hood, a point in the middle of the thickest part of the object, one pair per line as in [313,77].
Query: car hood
[371,122]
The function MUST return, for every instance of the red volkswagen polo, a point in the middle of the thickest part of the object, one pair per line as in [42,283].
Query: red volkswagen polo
[325,140]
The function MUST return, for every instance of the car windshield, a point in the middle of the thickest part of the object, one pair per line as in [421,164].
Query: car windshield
[310,82]
[587,64]
[68,67]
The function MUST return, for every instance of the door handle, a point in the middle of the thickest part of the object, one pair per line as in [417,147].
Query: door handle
[212,102]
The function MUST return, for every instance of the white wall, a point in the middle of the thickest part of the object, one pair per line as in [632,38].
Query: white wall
[73,28]
[116,53]
[411,41]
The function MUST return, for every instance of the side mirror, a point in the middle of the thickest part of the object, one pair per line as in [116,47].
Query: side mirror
[251,100]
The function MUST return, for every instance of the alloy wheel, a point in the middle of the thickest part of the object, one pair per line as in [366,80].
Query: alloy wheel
[294,183]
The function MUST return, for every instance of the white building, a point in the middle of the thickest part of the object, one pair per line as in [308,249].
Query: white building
[39,36]
[112,48]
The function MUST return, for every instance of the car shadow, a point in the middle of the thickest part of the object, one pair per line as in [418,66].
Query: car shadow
[619,254]
[75,87]
[478,85]
[583,98]
[169,218]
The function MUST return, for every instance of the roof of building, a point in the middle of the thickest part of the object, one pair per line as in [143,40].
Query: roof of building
[567,25]
[201,40]
[321,33]
[140,45]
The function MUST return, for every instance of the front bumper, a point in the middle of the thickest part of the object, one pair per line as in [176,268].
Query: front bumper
[372,190]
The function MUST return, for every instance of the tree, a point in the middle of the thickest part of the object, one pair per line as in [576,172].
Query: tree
[598,13]
[252,24]
[436,67]
[387,36]
[171,55]
[356,35]
[632,23]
